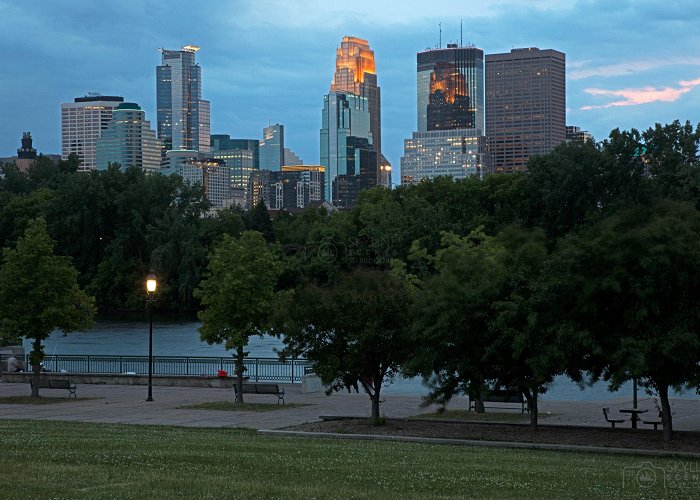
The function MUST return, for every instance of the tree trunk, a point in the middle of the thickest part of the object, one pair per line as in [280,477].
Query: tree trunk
[36,358]
[666,419]
[532,408]
[375,404]
[479,405]
[240,368]
[373,389]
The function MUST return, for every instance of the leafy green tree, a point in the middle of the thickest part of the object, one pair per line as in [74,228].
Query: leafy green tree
[450,334]
[477,321]
[237,295]
[258,219]
[631,281]
[352,330]
[39,293]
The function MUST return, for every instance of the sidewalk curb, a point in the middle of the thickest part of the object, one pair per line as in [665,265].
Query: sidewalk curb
[487,444]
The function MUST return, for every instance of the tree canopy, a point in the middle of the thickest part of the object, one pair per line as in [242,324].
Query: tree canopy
[39,293]
[237,295]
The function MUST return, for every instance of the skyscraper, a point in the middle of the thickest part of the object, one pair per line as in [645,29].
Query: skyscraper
[450,88]
[450,116]
[272,148]
[183,117]
[355,73]
[82,123]
[526,103]
[346,148]
[128,140]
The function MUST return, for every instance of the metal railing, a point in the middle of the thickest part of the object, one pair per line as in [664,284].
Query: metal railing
[257,369]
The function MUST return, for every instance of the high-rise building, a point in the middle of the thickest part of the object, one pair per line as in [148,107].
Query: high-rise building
[450,88]
[183,117]
[223,142]
[213,175]
[458,153]
[526,104]
[355,73]
[272,148]
[346,148]
[450,109]
[82,123]
[128,140]
[240,163]
[292,188]
[575,134]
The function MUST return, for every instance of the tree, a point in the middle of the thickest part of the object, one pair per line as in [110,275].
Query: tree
[353,330]
[631,281]
[258,219]
[39,293]
[450,334]
[237,295]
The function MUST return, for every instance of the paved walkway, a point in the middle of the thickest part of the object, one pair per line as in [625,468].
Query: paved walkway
[126,404]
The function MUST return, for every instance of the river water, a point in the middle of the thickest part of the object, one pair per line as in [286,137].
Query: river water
[178,336]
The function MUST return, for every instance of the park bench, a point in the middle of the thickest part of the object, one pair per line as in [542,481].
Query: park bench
[612,421]
[262,389]
[500,396]
[50,383]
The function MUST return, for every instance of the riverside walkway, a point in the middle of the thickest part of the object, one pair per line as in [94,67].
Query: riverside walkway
[126,404]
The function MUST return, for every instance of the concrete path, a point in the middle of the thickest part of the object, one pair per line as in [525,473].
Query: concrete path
[127,404]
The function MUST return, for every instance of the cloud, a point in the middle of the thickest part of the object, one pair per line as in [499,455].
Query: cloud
[645,95]
[630,67]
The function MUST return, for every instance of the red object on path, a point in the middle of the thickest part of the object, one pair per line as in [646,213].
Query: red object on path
[222,373]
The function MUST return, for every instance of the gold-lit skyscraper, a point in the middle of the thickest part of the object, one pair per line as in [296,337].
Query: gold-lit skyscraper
[355,73]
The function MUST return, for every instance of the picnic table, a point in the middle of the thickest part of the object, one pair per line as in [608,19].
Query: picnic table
[635,412]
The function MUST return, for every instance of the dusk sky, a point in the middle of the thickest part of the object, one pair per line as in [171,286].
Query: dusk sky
[629,63]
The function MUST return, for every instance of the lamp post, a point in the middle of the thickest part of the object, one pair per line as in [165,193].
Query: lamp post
[151,285]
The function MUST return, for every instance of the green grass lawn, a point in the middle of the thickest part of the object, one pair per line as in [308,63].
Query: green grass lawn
[233,406]
[47,459]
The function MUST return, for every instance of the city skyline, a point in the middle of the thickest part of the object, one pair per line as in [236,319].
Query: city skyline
[627,65]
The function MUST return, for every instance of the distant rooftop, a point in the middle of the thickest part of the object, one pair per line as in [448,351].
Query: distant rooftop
[93,98]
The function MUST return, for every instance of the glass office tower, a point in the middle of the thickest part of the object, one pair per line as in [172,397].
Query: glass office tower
[183,117]
[450,86]
[450,112]
[355,73]
[128,140]
[272,148]
[346,148]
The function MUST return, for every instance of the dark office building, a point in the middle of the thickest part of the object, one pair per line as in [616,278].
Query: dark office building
[291,188]
[526,103]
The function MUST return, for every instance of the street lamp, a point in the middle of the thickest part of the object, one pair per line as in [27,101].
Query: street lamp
[151,285]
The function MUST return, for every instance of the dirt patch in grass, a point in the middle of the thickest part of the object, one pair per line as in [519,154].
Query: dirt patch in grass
[491,416]
[549,434]
[231,406]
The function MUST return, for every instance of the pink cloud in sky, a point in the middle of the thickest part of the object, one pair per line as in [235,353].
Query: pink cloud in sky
[645,95]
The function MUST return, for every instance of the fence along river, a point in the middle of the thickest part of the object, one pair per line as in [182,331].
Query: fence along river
[121,345]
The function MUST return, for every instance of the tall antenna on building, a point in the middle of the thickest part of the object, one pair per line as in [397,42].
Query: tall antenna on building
[460,33]
[440,39]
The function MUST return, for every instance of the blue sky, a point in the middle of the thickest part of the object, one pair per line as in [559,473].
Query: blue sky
[629,63]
